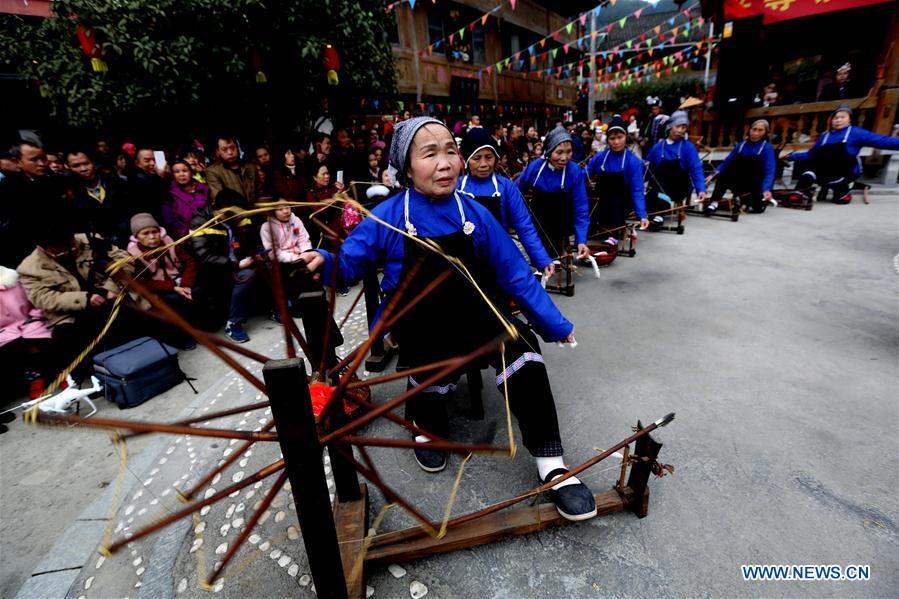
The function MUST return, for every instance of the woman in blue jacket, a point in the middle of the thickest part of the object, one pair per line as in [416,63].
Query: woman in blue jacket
[452,319]
[833,160]
[748,171]
[499,195]
[675,169]
[559,202]
[619,180]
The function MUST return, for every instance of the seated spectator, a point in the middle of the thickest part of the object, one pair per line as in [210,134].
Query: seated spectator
[374,168]
[286,239]
[321,192]
[290,181]
[230,171]
[197,163]
[171,274]
[124,167]
[226,254]
[186,195]
[8,164]
[100,201]
[55,163]
[264,174]
[68,282]
[374,141]
[148,191]
[24,337]
[26,197]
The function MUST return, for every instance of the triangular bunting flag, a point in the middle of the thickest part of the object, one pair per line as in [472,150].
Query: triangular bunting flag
[471,27]
[671,21]
[657,29]
[451,36]
[553,52]
[565,47]
[462,33]
[484,18]
[638,13]
[584,20]
[412,4]
[609,28]
[594,33]
[629,43]
[542,42]
[622,21]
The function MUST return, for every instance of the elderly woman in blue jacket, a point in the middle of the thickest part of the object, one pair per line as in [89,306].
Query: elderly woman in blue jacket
[452,319]
[499,195]
[748,171]
[675,169]
[833,160]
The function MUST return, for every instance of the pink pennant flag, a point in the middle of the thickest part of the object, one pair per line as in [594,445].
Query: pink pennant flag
[512,2]
[584,20]
[638,13]
[565,48]
[451,36]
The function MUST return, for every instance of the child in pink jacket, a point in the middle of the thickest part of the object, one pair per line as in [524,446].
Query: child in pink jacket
[285,237]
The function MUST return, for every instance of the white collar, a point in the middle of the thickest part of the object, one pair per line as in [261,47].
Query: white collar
[467,225]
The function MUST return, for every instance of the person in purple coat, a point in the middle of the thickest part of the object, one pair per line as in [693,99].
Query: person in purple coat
[186,195]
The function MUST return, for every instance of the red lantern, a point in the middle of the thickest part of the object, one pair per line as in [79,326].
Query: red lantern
[331,62]
[87,37]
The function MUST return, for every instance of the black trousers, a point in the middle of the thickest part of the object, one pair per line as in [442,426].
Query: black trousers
[840,188]
[530,397]
[751,198]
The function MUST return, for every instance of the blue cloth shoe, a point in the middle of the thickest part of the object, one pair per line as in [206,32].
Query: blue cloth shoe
[575,502]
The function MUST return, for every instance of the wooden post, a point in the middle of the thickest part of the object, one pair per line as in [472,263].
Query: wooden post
[646,450]
[288,393]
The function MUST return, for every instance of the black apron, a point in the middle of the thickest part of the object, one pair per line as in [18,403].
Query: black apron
[614,202]
[832,162]
[674,181]
[553,213]
[746,173]
[493,203]
[452,320]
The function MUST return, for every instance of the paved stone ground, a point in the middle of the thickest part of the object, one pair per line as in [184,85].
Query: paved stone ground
[774,339]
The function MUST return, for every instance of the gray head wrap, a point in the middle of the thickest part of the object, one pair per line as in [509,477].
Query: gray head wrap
[678,117]
[402,142]
[843,108]
[554,138]
[762,122]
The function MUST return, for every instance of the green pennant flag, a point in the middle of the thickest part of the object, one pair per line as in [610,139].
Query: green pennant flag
[648,43]
[568,28]
[622,21]
[629,43]
[401,105]
[629,60]
[499,67]
[554,50]
[462,33]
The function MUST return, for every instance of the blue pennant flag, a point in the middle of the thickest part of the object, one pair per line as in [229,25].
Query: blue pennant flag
[412,4]
[671,21]
[597,10]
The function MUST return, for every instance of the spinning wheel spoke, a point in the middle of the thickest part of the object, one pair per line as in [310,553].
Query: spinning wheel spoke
[181,323]
[174,517]
[248,528]
[239,451]
[390,405]
[463,448]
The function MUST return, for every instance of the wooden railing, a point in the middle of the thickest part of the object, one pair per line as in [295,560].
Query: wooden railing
[799,125]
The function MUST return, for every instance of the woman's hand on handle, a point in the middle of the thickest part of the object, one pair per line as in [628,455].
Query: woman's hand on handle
[583,252]
[644,224]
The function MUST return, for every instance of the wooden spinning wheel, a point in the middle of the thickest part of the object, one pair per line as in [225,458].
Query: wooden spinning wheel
[337,546]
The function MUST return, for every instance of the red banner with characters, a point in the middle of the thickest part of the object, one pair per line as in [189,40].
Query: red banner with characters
[783,10]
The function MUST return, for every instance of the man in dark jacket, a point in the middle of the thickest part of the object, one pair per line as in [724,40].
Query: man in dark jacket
[147,189]
[26,198]
[232,172]
[100,202]
[227,254]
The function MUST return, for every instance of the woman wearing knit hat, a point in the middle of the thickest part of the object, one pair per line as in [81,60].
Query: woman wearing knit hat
[748,171]
[172,274]
[499,195]
[560,196]
[619,180]
[452,319]
[675,168]
[833,160]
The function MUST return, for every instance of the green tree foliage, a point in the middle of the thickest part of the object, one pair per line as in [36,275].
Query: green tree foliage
[669,89]
[195,57]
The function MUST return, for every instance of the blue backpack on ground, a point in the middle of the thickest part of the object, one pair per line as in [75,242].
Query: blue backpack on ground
[137,371]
